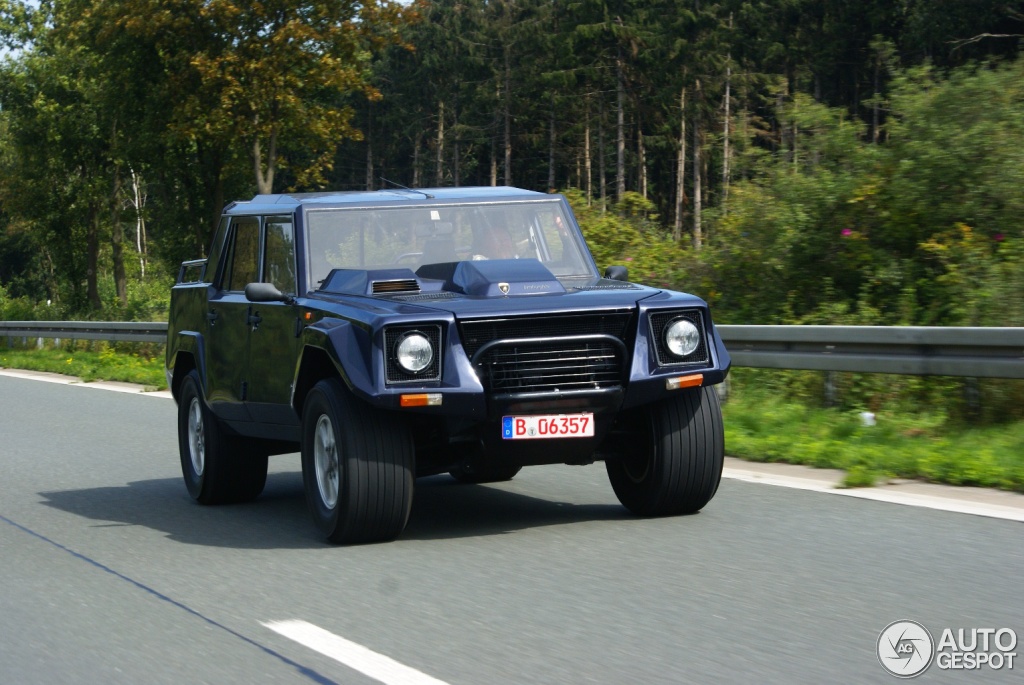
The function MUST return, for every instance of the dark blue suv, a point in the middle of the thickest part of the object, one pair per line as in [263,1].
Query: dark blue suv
[403,333]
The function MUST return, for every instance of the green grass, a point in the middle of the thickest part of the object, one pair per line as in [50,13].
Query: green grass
[90,365]
[762,427]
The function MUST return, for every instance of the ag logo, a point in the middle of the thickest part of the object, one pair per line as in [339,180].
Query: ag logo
[503,287]
[905,649]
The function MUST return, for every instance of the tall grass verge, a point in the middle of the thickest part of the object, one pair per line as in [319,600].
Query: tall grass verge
[94,361]
[763,423]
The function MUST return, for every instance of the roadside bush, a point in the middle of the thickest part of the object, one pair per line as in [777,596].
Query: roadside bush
[24,309]
[629,234]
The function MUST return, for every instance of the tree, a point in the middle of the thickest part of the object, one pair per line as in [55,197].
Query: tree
[61,136]
[269,77]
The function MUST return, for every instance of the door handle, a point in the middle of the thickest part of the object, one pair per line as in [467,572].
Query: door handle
[211,316]
[254,319]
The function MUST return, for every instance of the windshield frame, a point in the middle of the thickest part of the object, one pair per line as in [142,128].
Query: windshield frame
[535,235]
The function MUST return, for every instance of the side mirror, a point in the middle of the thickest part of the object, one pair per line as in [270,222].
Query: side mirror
[265,292]
[617,273]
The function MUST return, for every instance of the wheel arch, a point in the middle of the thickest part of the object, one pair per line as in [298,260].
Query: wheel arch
[314,366]
[188,357]
[334,348]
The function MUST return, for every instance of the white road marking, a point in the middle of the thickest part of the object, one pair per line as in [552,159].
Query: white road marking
[355,656]
[880,494]
[43,376]
[114,386]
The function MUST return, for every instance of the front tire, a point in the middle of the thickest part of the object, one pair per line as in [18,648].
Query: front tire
[358,466]
[217,468]
[670,461]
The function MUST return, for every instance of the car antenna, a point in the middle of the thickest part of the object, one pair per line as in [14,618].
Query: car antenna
[399,185]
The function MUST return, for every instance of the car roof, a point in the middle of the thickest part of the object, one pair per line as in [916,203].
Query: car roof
[289,201]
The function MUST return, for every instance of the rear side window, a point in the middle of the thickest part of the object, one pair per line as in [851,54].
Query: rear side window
[242,267]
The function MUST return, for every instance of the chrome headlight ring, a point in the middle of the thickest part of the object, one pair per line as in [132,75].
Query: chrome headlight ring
[682,338]
[413,352]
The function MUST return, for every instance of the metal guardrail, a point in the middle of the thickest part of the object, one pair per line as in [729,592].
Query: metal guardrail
[910,350]
[133,331]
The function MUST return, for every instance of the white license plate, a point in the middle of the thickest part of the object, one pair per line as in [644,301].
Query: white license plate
[547,426]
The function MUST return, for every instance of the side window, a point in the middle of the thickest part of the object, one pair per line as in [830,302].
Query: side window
[216,250]
[279,254]
[242,267]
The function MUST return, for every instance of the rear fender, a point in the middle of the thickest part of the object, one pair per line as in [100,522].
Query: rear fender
[188,352]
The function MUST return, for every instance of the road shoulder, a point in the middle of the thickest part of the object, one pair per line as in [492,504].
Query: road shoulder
[966,500]
[115,386]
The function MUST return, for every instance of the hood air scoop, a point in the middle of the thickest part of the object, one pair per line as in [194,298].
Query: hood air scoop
[494,277]
[401,285]
[484,278]
[373,282]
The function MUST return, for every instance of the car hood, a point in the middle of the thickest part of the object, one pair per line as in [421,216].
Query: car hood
[476,289]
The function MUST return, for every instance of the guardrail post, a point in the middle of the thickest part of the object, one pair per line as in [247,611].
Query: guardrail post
[723,390]
[972,397]
[831,390]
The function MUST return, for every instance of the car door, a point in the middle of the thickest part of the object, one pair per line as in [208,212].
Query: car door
[227,334]
[273,333]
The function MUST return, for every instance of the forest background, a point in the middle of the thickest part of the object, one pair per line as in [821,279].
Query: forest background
[791,161]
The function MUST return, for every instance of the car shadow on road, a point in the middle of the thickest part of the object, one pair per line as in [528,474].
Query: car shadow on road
[445,509]
[278,519]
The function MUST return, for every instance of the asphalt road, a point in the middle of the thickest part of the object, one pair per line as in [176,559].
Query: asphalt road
[109,573]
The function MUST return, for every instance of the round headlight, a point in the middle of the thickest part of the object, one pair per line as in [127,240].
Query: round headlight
[414,352]
[682,338]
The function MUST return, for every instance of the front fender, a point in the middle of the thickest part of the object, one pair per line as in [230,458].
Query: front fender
[351,350]
[348,348]
[647,377]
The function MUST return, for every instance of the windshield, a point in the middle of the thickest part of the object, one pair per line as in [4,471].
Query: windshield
[409,237]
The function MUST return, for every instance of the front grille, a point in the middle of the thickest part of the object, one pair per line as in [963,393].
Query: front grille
[552,366]
[477,333]
[552,353]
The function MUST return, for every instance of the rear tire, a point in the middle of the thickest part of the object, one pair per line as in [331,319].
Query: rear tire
[217,468]
[671,460]
[358,466]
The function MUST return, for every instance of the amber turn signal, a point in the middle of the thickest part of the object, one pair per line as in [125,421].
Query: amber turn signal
[430,399]
[684,382]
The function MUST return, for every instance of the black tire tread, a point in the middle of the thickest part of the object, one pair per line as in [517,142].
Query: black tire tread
[376,484]
[687,451]
[235,470]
